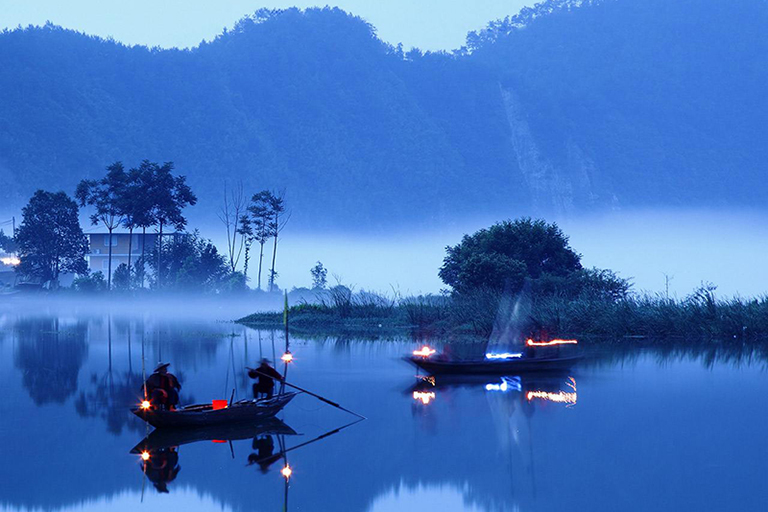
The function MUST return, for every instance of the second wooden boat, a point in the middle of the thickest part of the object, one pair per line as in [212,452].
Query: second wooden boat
[494,367]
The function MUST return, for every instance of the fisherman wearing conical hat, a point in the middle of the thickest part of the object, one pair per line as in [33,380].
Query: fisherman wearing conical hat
[162,388]
[266,376]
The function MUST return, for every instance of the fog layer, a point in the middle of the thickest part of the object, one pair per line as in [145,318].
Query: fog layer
[690,246]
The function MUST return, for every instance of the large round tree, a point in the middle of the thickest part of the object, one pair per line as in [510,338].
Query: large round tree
[508,253]
[50,239]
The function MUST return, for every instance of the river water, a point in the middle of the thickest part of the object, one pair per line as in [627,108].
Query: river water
[629,430]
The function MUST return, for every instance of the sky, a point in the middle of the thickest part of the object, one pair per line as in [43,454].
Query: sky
[426,24]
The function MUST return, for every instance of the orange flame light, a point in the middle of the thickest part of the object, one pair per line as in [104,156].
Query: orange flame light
[286,471]
[146,405]
[145,455]
[424,351]
[287,357]
[532,343]
[563,397]
[424,396]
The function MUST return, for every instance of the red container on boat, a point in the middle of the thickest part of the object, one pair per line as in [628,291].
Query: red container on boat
[219,404]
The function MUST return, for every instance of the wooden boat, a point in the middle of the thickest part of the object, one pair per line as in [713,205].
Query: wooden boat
[204,414]
[494,367]
[168,437]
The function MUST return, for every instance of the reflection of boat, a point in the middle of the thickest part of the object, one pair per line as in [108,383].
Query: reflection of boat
[168,437]
[206,414]
[548,386]
[494,366]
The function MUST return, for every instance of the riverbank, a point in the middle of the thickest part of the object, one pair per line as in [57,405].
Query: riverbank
[700,316]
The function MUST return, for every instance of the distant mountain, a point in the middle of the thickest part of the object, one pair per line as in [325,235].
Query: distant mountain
[567,106]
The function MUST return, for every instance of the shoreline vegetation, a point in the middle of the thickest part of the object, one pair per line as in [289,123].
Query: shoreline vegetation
[700,316]
[520,279]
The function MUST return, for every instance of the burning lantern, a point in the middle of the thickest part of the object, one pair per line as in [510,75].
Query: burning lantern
[145,405]
[424,352]
[287,357]
[286,471]
[145,455]
[552,343]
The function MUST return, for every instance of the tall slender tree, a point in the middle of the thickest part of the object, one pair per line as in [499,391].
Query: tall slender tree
[138,208]
[107,197]
[231,213]
[170,195]
[279,218]
[261,220]
[246,231]
[50,239]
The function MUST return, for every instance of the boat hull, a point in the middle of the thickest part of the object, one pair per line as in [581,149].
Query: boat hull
[205,415]
[485,367]
[168,437]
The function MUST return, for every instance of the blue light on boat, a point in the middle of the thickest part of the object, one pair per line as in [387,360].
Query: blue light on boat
[502,355]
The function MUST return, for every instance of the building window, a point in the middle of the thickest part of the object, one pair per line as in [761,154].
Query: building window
[105,264]
[106,240]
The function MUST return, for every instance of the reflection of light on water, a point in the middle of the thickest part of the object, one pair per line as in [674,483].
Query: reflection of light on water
[503,355]
[532,343]
[424,396]
[564,397]
[506,384]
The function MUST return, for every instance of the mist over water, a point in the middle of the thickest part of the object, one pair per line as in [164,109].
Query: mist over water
[726,248]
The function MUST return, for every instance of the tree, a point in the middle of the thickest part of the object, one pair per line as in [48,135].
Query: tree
[246,231]
[508,253]
[107,196]
[170,195]
[190,263]
[277,223]
[122,278]
[50,239]
[262,223]
[137,207]
[231,215]
[92,282]
[7,243]
[319,276]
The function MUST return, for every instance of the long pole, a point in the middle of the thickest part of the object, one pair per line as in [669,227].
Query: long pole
[285,321]
[321,398]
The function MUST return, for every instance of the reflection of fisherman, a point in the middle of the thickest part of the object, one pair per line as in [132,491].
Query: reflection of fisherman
[162,388]
[162,468]
[266,376]
[264,456]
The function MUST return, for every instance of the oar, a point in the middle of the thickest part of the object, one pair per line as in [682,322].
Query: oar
[321,398]
[283,451]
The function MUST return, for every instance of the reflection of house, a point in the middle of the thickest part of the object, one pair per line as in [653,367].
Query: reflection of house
[98,254]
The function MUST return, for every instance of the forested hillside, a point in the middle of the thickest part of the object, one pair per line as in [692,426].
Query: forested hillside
[565,107]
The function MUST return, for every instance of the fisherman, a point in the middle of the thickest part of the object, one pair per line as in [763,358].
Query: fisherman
[162,388]
[266,376]
[265,454]
[162,468]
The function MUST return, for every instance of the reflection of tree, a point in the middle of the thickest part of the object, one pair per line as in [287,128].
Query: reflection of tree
[50,358]
[110,400]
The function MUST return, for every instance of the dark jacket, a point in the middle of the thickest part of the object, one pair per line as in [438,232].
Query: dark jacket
[167,382]
[266,376]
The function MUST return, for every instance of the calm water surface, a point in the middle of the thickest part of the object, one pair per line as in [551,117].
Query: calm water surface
[634,432]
